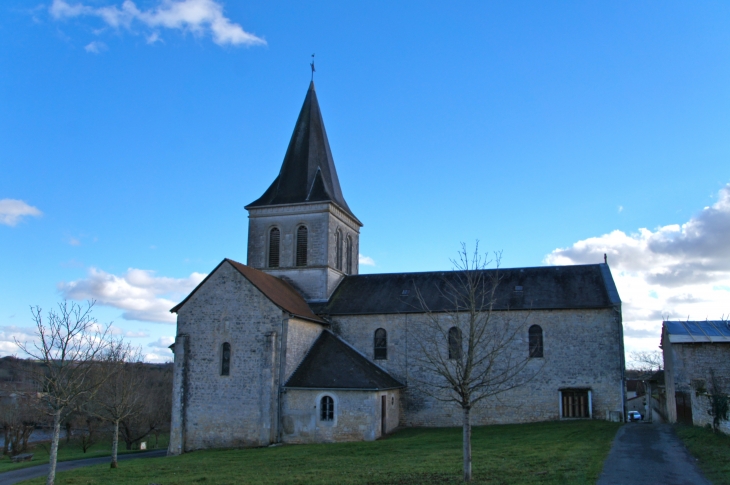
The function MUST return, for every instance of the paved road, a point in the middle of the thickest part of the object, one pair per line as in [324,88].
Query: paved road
[15,476]
[647,454]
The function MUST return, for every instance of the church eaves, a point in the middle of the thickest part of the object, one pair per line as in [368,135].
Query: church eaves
[308,173]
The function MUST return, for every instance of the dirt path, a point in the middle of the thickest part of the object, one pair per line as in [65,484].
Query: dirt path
[15,476]
[644,454]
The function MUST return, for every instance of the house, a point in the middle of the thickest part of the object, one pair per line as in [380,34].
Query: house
[693,352]
[296,346]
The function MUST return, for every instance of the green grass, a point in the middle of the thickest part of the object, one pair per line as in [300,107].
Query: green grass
[72,451]
[712,451]
[544,453]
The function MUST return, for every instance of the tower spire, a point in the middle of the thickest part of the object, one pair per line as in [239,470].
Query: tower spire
[311,64]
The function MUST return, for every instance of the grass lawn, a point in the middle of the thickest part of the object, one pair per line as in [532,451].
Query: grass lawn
[72,451]
[712,451]
[545,453]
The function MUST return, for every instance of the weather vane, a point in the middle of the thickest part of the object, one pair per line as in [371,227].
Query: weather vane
[311,64]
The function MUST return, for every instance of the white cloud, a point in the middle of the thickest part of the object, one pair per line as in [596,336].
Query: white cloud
[366,260]
[162,343]
[95,47]
[12,211]
[141,294]
[140,334]
[200,17]
[675,271]
[9,334]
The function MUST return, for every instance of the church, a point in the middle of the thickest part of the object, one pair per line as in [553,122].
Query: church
[295,346]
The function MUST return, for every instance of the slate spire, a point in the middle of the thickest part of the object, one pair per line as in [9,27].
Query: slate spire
[308,173]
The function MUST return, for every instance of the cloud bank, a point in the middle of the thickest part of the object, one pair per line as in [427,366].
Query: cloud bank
[201,17]
[12,211]
[366,260]
[141,294]
[675,271]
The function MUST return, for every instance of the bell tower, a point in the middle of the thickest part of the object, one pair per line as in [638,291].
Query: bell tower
[301,229]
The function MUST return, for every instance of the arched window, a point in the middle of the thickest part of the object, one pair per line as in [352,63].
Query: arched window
[274,238]
[338,249]
[226,359]
[454,343]
[348,254]
[302,235]
[535,333]
[327,409]
[380,344]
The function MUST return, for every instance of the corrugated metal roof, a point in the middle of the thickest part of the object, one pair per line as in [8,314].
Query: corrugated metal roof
[546,287]
[277,290]
[690,331]
[333,364]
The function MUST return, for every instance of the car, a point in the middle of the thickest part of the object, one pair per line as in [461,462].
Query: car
[635,416]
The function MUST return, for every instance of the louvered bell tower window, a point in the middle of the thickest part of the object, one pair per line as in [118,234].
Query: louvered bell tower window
[338,249]
[348,254]
[302,235]
[274,238]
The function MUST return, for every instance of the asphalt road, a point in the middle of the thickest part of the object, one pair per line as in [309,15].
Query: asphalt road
[15,476]
[648,454]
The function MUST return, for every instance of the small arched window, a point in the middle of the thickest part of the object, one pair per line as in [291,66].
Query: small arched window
[338,249]
[454,343]
[327,409]
[274,239]
[380,344]
[302,236]
[348,254]
[226,359]
[535,334]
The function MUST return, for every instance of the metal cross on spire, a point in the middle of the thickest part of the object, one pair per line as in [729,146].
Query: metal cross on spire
[311,64]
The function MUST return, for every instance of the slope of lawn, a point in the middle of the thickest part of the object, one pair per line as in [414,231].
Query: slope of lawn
[552,453]
[72,450]
[712,451]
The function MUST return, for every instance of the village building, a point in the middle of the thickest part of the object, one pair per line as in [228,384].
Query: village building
[295,346]
[694,351]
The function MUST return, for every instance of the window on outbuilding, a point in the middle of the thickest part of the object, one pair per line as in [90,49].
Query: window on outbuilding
[302,236]
[226,359]
[327,409]
[380,345]
[535,334]
[274,239]
[454,343]
[348,254]
[338,249]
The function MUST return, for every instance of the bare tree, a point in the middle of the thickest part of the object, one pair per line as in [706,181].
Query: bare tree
[468,352]
[69,345]
[119,397]
[646,363]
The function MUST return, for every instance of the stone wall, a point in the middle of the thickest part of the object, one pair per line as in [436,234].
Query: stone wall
[238,409]
[300,336]
[357,415]
[582,349]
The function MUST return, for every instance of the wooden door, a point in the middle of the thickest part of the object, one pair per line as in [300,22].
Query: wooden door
[383,422]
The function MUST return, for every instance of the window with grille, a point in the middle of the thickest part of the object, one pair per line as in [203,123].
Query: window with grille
[348,254]
[327,409]
[302,235]
[454,343]
[274,238]
[576,403]
[226,359]
[338,250]
[535,334]
[381,344]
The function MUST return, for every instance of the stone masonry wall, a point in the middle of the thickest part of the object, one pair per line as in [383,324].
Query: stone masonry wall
[300,336]
[582,349]
[238,409]
[357,416]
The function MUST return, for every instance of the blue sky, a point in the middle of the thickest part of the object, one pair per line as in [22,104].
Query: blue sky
[132,134]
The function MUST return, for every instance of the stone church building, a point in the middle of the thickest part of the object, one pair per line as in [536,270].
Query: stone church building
[297,347]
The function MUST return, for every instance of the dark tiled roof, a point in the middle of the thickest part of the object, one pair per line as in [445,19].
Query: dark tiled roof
[332,364]
[277,290]
[308,173]
[547,287]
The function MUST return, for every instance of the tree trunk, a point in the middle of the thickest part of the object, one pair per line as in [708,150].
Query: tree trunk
[467,445]
[6,448]
[115,443]
[53,458]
